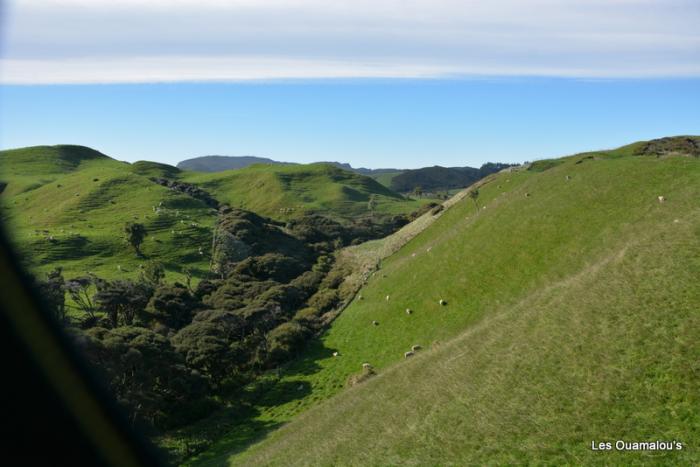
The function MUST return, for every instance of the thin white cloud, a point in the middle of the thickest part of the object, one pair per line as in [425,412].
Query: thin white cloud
[87,41]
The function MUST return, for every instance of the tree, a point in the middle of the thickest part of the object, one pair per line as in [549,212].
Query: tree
[418,191]
[172,305]
[122,300]
[284,340]
[206,347]
[145,373]
[53,291]
[135,234]
[79,291]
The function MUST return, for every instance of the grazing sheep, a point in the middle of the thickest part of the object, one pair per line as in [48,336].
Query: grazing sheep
[428,249]
[408,354]
[366,366]
[413,255]
[568,177]
[335,354]
[408,311]
[676,221]
[527,195]
[376,323]
[387,298]
[661,199]
[360,297]
[442,302]
[415,348]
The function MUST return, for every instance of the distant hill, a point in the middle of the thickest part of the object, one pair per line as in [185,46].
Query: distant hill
[221,163]
[291,190]
[429,179]
[436,178]
[362,170]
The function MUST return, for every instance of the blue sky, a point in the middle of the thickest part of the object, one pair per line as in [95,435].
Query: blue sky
[403,83]
[370,123]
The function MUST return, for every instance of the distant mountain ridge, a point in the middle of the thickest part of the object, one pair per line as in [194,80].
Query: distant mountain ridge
[216,163]
[429,179]
[438,178]
[220,163]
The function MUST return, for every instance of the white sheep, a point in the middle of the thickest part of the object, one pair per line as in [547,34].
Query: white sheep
[408,311]
[387,298]
[442,302]
[335,354]
[415,348]
[661,199]
[376,323]
[408,354]
[366,366]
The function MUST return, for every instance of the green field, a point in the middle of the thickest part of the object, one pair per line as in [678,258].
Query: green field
[572,315]
[66,206]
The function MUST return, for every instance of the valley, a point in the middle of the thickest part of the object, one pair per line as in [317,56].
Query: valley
[543,306]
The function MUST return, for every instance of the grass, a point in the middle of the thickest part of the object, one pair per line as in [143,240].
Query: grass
[571,315]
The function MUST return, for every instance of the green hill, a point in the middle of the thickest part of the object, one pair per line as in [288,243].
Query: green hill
[66,206]
[285,191]
[436,178]
[571,316]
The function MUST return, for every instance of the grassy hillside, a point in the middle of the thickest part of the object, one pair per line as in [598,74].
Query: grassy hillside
[284,191]
[66,206]
[571,316]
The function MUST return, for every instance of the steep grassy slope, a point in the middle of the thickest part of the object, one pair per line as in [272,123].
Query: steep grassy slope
[571,316]
[290,190]
[73,213]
